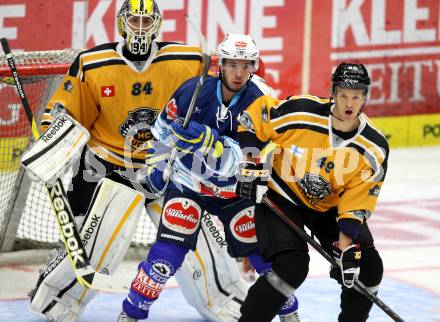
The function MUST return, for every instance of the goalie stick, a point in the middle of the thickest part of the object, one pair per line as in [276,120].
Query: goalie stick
[85,273]
[359,286]
[192,104]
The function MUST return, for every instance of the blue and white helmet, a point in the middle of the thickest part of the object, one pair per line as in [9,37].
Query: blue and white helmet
[238,46]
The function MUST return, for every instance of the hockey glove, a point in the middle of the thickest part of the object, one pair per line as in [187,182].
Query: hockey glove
[348,264]
[252,181]
[155,160]
[157,154]
[196,137]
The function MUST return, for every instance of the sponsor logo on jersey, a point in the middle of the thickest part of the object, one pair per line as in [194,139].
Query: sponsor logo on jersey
[108,91]
[245,120]
[181,215]
[242,226]
[136,128]
[314,188]
[171,110]
[146,286]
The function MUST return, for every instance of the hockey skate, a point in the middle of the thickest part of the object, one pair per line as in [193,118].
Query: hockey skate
[291,317]
[123,317]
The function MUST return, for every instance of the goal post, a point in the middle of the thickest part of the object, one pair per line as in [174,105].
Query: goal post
[24,210]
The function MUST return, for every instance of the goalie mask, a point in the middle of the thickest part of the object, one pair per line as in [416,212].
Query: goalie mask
[139,22]
[237,46]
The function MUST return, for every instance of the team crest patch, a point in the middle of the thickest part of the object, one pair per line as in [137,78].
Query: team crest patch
[245,120]
[136,128]
[314,188]
[243,226]
[181,215]
[68,86]
[374,191]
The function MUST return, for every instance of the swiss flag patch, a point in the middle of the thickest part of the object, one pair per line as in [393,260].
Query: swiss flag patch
[107,91]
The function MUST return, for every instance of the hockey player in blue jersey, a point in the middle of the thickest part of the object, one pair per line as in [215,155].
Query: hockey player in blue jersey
[204,175]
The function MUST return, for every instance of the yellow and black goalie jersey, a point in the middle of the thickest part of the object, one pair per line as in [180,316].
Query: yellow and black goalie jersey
[312,167]
[118,103]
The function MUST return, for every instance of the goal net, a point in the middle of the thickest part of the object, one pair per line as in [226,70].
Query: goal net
[26,219]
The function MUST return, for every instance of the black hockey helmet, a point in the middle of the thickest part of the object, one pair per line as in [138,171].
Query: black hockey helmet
[351,76]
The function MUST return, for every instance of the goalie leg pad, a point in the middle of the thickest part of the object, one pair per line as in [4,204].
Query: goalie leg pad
[54,151]
[162,263]
[106,234]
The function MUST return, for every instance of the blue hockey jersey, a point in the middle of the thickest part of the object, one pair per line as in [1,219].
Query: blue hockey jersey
[210,110]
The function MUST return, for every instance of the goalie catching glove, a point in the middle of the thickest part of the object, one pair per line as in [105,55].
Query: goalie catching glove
[348,264]
[56,149]
[196,137]
[252,181]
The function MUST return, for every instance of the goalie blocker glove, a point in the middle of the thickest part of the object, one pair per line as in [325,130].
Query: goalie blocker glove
[348,264]
[252,181]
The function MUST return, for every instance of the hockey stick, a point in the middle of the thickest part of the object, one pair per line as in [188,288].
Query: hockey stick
[85,273]
[192,104]
[359,286]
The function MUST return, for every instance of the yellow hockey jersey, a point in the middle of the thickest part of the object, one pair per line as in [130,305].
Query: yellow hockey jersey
[312,167]
[118,103]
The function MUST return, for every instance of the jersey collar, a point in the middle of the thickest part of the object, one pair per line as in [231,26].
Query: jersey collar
[153,51]
[235,98]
